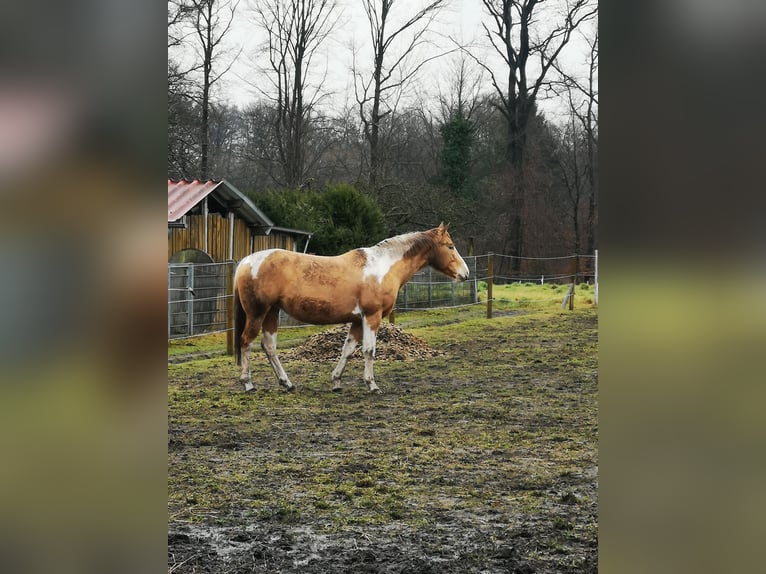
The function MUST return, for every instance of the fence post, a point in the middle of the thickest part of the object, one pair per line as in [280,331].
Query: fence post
[190,298]
[574,283]
[230,310]
[430,287]
[490,281]
[170,299]
[595,280]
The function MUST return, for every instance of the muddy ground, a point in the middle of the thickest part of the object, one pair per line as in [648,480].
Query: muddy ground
[483,459]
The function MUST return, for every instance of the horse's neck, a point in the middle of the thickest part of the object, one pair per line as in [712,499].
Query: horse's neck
[406,267]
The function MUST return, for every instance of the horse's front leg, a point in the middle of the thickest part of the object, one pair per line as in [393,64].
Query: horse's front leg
[370,326]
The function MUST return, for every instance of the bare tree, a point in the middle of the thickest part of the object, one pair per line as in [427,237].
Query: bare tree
[528,46]
[463,93]
[211,22]
[574,163]
[395,42]
[295,30]
[183,125]
[585,111]
[178,14]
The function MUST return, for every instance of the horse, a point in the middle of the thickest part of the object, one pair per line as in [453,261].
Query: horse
[358,287]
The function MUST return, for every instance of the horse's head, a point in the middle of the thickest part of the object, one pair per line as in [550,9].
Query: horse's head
[445,258]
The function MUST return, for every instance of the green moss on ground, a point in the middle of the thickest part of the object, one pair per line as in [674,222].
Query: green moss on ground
[503,428]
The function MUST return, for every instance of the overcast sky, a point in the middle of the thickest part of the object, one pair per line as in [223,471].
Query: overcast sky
[460,20]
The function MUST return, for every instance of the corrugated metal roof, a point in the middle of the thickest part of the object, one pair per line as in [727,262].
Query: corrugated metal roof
[183,195]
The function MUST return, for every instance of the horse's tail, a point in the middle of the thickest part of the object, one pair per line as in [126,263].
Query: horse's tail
[239,324]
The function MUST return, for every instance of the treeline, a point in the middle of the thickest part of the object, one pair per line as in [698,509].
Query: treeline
[436,167]
[479,155]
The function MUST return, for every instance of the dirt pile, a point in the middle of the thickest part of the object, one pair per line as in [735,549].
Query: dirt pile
[393,344]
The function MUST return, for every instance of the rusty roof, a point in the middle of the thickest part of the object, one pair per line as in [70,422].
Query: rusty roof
[183,195]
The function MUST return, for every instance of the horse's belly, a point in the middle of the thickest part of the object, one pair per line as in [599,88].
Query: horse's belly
[318,310]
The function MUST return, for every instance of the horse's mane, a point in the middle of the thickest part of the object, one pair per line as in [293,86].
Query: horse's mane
[408,244]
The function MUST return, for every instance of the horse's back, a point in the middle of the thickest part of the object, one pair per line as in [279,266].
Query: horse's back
[311,288]
[253,262]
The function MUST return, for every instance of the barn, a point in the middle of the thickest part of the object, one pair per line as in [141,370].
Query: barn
[214,217]
[211,226]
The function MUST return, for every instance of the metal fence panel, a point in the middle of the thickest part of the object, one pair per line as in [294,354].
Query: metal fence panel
[429,288]
[197,298]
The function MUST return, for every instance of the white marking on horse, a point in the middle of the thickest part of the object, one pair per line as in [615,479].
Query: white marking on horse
[269,342]
[255,260]
[368,350]
[368,338]
[465,267]
[357,310]
[348,349]
[382,257]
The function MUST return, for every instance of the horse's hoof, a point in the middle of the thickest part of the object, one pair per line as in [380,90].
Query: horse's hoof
[337,389]
[249,387]
[290,389]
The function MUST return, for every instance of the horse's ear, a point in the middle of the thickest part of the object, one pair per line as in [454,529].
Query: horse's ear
[443,228]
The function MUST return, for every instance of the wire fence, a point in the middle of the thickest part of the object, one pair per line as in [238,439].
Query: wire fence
[198,298]
[428,289]
[199,294]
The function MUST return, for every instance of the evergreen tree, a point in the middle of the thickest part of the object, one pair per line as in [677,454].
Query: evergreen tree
[341,217]
[455,159]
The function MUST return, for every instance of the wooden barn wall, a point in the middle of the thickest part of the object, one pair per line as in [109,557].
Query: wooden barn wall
[275,240]
[241,239]
[218,237]
[192,236]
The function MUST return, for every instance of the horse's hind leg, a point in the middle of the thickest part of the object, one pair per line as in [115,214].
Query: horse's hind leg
[249,333]
[352,340]
[269,345]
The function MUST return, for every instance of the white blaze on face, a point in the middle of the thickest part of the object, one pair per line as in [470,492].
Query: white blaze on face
[254,260]
[463,271]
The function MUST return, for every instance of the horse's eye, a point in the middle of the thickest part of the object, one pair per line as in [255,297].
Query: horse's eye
[451,247]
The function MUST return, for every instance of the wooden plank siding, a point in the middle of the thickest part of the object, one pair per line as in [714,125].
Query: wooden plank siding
[192,236]
[218,237]
[241,239]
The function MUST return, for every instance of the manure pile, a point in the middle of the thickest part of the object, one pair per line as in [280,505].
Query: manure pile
[392,344]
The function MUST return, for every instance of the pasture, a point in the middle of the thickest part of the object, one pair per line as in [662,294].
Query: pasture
[483,459]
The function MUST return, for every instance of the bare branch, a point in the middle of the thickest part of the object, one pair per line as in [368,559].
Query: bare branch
[392,50]
[295,29]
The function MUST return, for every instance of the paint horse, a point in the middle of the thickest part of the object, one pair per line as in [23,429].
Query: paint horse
[358,287]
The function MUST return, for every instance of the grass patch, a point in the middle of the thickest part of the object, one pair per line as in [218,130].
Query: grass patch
[501,430]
